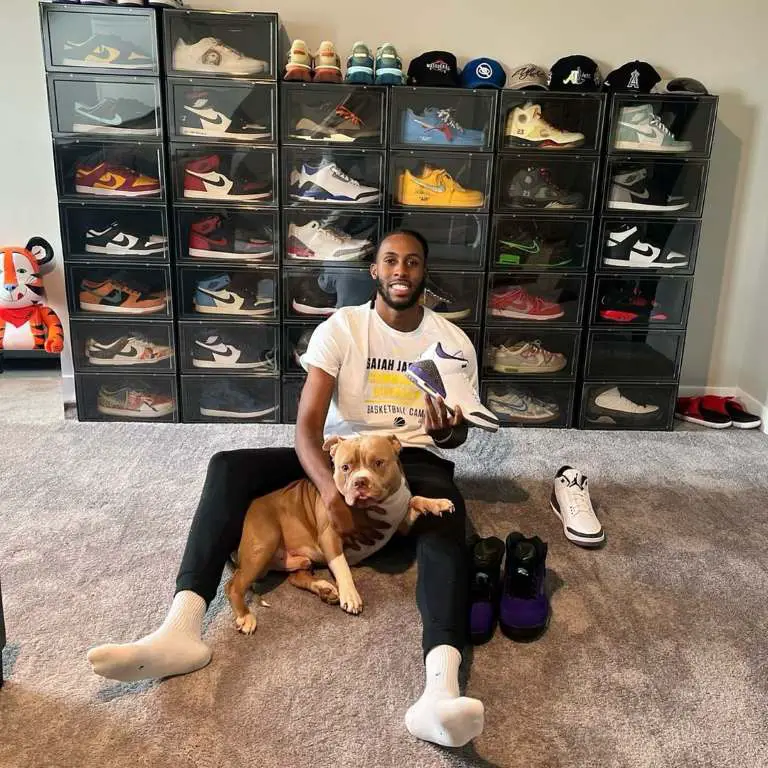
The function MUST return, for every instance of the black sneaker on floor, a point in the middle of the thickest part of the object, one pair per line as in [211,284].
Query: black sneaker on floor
[485,579]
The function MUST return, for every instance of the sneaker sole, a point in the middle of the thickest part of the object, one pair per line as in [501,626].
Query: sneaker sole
[115,192]
[514,141]
[83,128]
[198,253]
[637,146]
[221,413]
[518,419]
[527,369]
[106,251]
[126,361]
[629,265]
[232,366]
[225,134]
[523,634]
[87,307]
[703,423]
[523,315]
[108,411]
[592,542]
[622,206]
[306,309]
[203,310]
[200,194]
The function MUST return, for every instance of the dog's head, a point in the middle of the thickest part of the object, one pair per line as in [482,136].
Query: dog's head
[366,470]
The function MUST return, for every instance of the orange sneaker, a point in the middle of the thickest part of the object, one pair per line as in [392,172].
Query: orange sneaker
[299,66]
[119,298]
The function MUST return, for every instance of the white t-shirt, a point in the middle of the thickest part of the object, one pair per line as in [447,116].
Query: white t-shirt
[373,394]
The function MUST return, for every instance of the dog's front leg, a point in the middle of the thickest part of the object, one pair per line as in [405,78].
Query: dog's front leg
[420,505]
[333,551]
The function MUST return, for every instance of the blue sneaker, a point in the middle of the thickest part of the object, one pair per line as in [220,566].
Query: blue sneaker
[208,289]
[360,65]
[439,126]
[389,66]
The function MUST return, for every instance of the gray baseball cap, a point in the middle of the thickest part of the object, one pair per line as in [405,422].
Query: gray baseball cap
[528,76]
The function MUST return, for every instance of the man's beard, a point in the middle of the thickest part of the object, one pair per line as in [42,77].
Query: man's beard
[405,302]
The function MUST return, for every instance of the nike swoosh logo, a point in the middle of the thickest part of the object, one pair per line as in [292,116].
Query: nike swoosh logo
[116,297]
[534,248]
[433,187]
[644,195]
[219,181]
[651,135]
[645,250]
[130,352]
[229,298]
[217,120]
[116,120]
[228,353]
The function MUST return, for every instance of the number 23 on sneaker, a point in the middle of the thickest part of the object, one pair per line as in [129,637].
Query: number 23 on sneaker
[571,503]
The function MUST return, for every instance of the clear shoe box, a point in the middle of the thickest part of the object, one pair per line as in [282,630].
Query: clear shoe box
[291,394]
[531,353]
[99,39]
[119,291]
[333,178]
[440,181]
[456,240]
[238,112]
[127,108]
[220,44]
[659,302]
[634,355]
[104,171]
[665,125]
[541,121]
[115,233]
[134,346]
[641,185]
[313,294]
[545,185]
[455,296]
[230,399]
[216,175]
[245,294]
[314,114]
[545,404]
[332,236]
[455,119]
[228,236]
[126,397]
[539,300]
[221,347]
[619,405]
[652,245]
[540,244]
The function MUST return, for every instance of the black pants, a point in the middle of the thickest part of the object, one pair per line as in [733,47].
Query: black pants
[235,478]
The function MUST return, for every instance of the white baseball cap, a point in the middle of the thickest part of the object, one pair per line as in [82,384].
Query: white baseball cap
[528,76]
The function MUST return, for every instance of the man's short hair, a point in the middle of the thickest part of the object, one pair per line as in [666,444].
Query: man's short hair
[422,241]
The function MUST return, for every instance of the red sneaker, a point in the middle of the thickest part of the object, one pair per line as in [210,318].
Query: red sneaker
[107,180]
[516,302]
[202,179]
[707,411]
[742,418]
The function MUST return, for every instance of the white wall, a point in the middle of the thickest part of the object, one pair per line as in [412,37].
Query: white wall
[722,44]
[28,188]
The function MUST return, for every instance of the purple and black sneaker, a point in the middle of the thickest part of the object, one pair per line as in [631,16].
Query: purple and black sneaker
[524,606]
[485,570]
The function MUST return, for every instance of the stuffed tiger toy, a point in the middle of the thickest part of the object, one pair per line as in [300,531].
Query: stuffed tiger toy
[22,294]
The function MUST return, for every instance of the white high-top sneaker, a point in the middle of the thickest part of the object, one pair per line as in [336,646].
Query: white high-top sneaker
[640,128]
[571,503]
[442,375]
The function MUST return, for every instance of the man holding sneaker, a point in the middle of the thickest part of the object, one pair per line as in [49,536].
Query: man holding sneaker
[358,381]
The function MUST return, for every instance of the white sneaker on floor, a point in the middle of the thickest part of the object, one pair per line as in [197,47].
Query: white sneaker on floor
[442,375]
[571,503]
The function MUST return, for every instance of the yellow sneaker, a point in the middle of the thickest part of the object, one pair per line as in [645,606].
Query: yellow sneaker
[436,188]
[526,128]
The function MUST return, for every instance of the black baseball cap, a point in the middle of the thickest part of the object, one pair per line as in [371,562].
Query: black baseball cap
[575,73]
[434,68]
[634,77]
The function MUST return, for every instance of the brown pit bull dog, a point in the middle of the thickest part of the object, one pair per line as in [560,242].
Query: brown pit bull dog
[289,529]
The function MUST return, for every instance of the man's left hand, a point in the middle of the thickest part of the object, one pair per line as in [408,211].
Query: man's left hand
[438,423]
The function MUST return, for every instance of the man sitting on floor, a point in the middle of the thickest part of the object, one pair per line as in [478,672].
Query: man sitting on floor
[350,389]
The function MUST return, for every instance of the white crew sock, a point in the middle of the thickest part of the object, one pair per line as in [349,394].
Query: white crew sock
[441,715]
[174,649]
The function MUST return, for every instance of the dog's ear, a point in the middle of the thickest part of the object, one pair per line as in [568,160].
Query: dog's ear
[396,444]
[332,443]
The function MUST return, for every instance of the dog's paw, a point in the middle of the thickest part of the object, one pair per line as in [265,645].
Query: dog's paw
[443,506]
[326,591]
[246,624]
[351,601]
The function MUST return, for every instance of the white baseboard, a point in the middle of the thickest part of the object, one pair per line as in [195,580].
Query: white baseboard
[752,404]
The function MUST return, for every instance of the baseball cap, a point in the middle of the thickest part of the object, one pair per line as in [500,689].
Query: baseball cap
[574,73]
[634,76]
[529,76]
[681,85]
[483,73]
[435,68]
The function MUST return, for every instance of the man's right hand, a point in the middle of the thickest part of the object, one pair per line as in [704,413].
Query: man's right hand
[355,526]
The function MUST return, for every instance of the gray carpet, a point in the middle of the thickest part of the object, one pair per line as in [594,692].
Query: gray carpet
[655,656]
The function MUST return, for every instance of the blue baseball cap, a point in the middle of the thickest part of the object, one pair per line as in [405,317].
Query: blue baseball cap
[483,73]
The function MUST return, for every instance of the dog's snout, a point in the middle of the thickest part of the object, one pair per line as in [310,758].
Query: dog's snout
[361,482]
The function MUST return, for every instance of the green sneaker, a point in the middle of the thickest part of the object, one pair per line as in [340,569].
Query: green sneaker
[640,129]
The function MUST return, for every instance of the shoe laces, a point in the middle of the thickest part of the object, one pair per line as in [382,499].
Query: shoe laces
[334,234]
[534,349]
[578,496]
[348,114]
[448,118]
[339,174]
[658,123]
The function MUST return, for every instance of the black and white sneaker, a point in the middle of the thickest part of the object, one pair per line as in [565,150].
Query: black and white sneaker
[571,503]
[113,241]
[214,352]
[116,116]
[630,191]
[625,249]
[202,118]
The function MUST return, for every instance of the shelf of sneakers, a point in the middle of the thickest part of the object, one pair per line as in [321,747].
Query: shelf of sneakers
[657,147]
[107,124]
